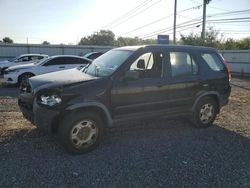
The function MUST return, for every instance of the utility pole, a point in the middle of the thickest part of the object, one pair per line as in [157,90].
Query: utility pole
[174,34]
[205,2]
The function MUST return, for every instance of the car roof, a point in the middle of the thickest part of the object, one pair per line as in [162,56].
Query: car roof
[167,46]
[33,55]
[75,56]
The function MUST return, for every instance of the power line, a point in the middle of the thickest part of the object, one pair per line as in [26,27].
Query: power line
[158,20]
[210,6]
[169,29]
[231,12]
[144,3]
[245,19]
[133,15]
[231,19]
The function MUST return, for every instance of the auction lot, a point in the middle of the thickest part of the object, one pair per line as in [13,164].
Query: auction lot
[155,153]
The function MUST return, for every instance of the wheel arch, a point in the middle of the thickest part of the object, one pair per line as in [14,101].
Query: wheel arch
[19,77]
[94,107]
[3,69]
[212,94]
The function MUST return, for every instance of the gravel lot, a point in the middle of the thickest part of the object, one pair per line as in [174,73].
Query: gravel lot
[156,153]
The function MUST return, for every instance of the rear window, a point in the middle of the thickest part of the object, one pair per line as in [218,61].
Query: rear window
[213,61]
[182,64]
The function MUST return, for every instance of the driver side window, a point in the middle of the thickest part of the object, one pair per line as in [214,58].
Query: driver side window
[148,65]
[23,59]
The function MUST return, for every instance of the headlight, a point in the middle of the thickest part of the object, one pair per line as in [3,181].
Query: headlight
[50,100]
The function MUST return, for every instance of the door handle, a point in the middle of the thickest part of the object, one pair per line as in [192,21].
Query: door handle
[62,67]
[205,85]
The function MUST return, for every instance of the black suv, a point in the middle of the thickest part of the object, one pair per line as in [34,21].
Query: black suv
[124,84]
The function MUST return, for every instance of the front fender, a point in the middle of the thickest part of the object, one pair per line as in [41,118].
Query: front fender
[95,105]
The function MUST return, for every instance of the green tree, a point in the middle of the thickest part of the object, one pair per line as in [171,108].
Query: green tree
[103,37]
[46,43]
[244,44]
[211,39]
[7,40]
[230,44]
[127,41]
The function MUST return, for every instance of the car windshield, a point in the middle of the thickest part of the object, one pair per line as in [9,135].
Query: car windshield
[13,59]
[106,64]
[42,61]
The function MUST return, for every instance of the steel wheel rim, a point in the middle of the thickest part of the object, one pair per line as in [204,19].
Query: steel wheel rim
[84,133]
[206,113]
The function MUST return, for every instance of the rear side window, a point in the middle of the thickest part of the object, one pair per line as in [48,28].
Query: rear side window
[94,56]
[213,61]
[36,57]
[24,58]
[71,60]
[74,60]
[55,61]
[182,64]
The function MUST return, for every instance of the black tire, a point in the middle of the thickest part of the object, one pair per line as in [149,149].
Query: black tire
[69,126]
[205,112]
[23,79]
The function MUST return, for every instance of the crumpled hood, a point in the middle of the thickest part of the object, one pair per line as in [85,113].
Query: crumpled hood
[23,66]
[59,78]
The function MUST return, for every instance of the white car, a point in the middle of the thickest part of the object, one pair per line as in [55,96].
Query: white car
[93,55]
[22,59]
[20,74]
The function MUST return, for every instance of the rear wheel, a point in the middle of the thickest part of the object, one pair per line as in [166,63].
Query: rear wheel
[205,112]
[81,132]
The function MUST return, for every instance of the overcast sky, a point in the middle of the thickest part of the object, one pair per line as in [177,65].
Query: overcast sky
[66,21]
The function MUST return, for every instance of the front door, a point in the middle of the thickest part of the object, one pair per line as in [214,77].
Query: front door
[144,93]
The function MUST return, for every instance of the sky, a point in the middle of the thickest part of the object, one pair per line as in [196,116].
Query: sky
[67,21]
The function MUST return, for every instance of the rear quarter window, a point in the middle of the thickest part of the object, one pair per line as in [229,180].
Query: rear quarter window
[213,61]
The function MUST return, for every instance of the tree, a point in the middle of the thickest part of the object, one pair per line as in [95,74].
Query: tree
[103,37]
[230,44]
[46,43]
[127,41]
[211,39]
[7,40]
[244,44]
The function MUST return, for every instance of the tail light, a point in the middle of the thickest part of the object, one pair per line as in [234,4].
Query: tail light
[227,68]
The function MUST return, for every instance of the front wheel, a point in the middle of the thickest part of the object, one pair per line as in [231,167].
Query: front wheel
[205,112]
[81,132]
[23,79]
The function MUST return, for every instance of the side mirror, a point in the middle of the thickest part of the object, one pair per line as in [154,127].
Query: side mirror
[141,64]
[131,75]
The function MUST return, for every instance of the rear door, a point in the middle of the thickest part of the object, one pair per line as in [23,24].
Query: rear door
[62,63]
[74,62]
[184,82]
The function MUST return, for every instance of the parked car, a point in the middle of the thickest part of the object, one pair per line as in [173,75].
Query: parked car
[93,55]
[22,59]
[19,74]
[123,84]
